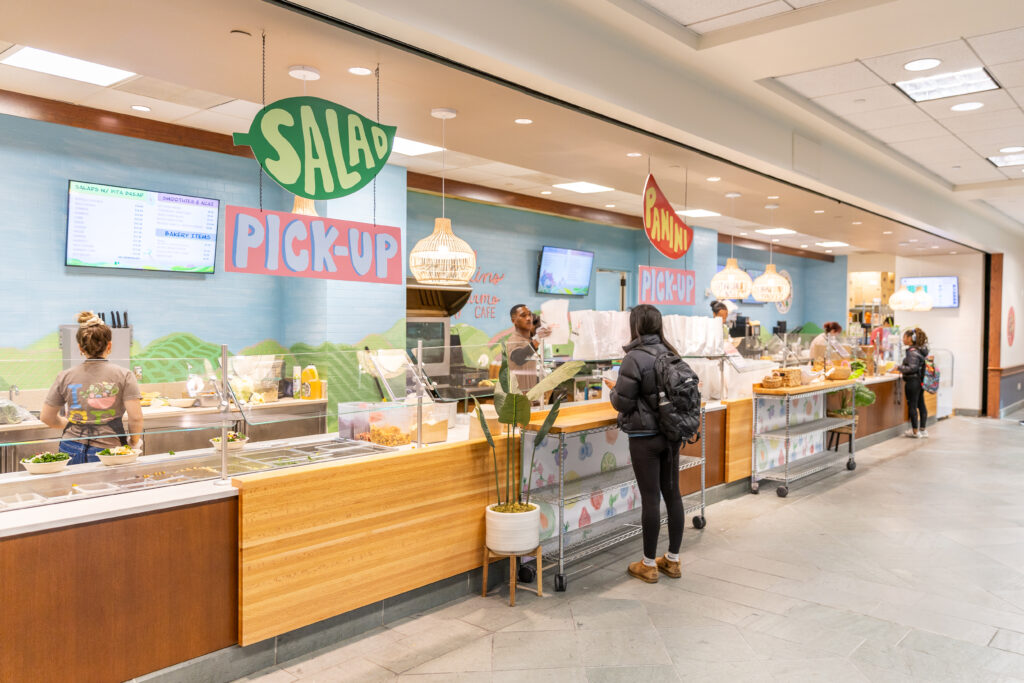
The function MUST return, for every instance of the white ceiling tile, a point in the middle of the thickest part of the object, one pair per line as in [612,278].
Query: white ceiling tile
[869,99]
[503,170]
[688,12]
[946,148]
[455,159]
[989,142]
[209,120]
[887,118]
[4,46]
[416,164]
[1001,47]
[804,3]
[1012,208]
[1009,75]
[1018,95]
[121,102]
[44,85]
[470,175]
[979,171]
[171,92]
[511,183]
[955,55]
[741,17]
[242,109]
[909,131]
[994,100]
[832,80]
[985,121]
[1014,173]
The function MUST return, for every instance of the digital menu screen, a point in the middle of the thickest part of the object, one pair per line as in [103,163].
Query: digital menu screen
[944,290]
[565,271]
[121,227]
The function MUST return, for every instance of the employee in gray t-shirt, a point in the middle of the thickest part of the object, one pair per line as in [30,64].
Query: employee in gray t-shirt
[95,396]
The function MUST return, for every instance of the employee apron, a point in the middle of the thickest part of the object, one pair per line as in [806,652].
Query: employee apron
[80,448]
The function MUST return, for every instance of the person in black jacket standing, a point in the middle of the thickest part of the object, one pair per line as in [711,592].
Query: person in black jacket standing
[912,370]
[655,459]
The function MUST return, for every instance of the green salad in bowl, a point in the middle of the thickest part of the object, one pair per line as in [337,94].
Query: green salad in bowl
[46,463]
[48,457]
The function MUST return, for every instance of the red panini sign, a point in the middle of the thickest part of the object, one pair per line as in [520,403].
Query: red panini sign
[666,230]
[295,245]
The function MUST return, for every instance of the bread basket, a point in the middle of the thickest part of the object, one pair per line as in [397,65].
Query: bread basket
[839,372]
[771,382]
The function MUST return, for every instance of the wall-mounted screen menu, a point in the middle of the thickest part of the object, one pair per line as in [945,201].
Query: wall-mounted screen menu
[121,227]
[944,290]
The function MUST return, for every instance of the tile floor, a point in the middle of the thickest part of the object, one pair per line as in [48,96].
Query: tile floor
[909,568]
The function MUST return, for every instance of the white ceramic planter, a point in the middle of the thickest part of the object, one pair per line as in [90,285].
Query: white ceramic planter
[511,533]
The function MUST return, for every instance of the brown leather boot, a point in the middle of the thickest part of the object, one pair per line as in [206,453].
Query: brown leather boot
[641,571]
[669,568]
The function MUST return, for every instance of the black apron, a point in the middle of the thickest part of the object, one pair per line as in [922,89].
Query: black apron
[92,431]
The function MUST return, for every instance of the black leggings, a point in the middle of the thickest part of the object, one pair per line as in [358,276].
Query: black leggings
[915,402]
[656,465]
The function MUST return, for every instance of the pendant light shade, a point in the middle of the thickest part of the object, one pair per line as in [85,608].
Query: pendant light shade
[922,301]
[304,206]
[770,286]
[902,300]
[731,282]
[442,258]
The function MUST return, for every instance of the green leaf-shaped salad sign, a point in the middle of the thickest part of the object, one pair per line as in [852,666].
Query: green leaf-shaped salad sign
[317,149]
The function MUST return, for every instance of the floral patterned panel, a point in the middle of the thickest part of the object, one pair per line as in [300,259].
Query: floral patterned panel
[771,414]
[586,455]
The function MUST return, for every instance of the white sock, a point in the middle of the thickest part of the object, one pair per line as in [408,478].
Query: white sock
[672,557]
[648,562]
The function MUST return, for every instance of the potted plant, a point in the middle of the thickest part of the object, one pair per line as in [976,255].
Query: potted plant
[862,397]
[513,523]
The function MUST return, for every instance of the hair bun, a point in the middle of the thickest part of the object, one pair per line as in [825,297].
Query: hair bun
[88,319]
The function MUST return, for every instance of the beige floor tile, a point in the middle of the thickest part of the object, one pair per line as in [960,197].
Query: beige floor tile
[621,648]
[542,650]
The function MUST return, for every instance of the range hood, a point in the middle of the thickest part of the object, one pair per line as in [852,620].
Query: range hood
[434,301]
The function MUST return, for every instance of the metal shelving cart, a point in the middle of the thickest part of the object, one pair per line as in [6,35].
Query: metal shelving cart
[573,545]
[792,470]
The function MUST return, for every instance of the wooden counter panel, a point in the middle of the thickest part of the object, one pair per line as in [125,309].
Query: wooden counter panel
[888,410]
[322,540]
[714,452]
[113,600]
[577,418]
[739,427]
[806,388]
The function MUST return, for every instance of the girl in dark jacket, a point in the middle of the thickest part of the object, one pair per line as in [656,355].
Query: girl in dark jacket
[655,459]
[912,370]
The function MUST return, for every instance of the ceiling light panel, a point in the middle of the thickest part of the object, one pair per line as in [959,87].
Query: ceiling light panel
[1008,160]
[698,213]
[993,100]
[411,148]
[66,67]
[926,64]
[938,86]
[583,187]
[956,55]
[832,244]
[776,231]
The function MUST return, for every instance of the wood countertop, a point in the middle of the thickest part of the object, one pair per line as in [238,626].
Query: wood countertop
[828,385]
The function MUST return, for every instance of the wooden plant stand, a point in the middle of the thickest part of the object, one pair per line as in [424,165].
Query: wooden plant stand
[539,590]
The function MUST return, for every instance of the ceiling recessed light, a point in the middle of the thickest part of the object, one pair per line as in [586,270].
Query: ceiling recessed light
[832,244]
[803,246]
[524,122]
[1008,160]
[922,64]
[545,191]
[66,67]
[819,211]
[948,85]
[304,73]
[732,195]
[860,100]
[935,246]
[913,239]
[743,234]
[773,196]
[141,107]
[1011,150]
[967,106]
[828,251]
[411,148]
[887,232]
[952,252]
[609,206]
[771,206]
[634,155]
[858,222]
[776,231]
[713,179]
[583,187]
[360,71]
[698,213]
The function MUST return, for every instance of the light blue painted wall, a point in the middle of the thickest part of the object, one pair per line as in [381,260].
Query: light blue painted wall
[37,160]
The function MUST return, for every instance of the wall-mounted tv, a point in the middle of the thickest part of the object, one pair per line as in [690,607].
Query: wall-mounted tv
[944,290]
[565,271]
[123,227]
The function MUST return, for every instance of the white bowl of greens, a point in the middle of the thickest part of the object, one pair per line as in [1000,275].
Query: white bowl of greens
[46,463]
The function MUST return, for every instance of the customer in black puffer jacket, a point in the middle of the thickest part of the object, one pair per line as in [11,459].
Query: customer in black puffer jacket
[655,459]
[912,369]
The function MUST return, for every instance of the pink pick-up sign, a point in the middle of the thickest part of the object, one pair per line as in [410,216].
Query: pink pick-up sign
[295,245]
[667,286]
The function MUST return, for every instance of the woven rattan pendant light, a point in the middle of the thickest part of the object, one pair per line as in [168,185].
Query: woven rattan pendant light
[732,282]
[442,258]
[770,286]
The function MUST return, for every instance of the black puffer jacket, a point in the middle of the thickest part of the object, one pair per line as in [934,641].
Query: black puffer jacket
[635,395]
[912,366]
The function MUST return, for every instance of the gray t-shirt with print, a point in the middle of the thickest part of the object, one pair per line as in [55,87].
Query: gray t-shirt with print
[93,395]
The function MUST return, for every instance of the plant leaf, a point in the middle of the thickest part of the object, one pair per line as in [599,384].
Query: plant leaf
[500,397]
[483,423]
[515,410]
[562,373]
[548,422]
[503,373]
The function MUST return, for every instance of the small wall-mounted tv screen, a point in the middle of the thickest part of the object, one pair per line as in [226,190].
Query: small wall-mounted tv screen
[944,290]
[565,271]
[122,227]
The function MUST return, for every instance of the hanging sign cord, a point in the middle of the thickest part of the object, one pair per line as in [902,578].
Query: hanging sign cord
[376,74]
[444,163]
[263,98]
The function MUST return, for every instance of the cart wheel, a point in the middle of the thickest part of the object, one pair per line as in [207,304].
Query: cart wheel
[782,491]
[560,583]
[851,464]
[527,573]
[754,487]
[699,522]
